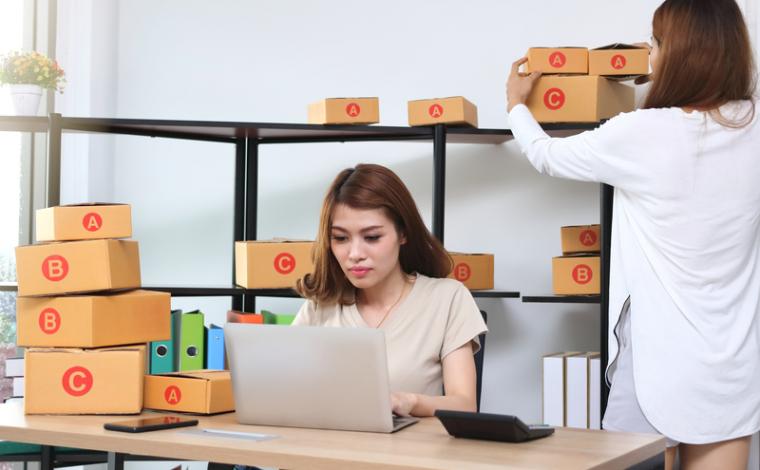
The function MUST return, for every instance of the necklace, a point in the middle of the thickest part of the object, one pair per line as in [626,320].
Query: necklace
[389,309]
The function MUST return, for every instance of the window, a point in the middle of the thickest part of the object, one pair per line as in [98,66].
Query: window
[12,148]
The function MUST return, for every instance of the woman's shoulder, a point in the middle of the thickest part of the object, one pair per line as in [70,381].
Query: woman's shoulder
[440,285]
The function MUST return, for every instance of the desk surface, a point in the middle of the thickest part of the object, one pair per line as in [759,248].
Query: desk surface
[425,445]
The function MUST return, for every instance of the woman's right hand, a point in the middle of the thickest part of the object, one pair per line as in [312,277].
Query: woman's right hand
[519,85]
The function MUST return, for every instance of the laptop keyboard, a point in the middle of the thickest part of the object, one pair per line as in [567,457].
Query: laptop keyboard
[400,422]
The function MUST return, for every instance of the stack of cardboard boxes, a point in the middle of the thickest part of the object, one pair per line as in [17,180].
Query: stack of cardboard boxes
[577,271]
[582,85]
[81,315]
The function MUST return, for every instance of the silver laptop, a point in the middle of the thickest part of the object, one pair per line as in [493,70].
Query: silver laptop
[311,377]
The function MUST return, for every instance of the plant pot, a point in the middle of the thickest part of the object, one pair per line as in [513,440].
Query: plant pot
[26,99]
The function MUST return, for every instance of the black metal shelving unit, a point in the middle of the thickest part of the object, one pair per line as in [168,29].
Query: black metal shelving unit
[247,137]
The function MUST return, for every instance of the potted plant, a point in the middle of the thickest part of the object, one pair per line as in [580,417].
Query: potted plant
[26,74]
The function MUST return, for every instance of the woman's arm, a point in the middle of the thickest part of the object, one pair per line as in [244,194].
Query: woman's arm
[458,381]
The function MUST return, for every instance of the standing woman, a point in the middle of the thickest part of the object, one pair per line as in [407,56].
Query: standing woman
[377,266]
[685,263]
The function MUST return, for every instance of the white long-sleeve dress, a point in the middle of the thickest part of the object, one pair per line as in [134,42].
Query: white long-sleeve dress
[686,249]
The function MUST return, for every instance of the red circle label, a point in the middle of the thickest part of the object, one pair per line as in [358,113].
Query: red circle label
[462,272]
[554,98]
[49,320]
[435,110]
[77,381]
[617,61]
[92,222]
[557,60]
[172,395]
[582,274]
[353,109]
[55,268]
[588,238]
[284,263]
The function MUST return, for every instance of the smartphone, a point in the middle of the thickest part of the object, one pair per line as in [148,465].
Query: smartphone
[150,424]
[491,427]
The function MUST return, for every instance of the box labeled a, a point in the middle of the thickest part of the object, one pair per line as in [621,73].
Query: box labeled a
[578,99]
[82,266]
[580,239]
[83,222]
[576,275]
[454,110]
[85,381]
[202,392]
[474,270]
[271,264]
[557,60]
[92,321]
[345,111]
[618,60]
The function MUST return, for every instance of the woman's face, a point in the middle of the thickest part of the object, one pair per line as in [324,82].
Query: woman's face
[366,244]
[654,54]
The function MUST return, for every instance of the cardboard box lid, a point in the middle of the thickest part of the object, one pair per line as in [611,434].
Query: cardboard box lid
[618,45]
[441,98]
[277,240]
[577,255]
[131,347]
[204,374]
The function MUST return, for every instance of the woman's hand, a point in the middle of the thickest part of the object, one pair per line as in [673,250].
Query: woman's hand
[519,85]
[403,403]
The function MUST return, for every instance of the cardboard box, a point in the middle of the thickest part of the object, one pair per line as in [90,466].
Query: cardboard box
[578,99]
[474,270]
[83,266]
[277,318]
[576,275]
[621,60]
[83,222]
[233,316]
[92,321]
[271,264]
[345,111]
[85,381]
[557,60]
[452,110]
[202,391]
[580,239]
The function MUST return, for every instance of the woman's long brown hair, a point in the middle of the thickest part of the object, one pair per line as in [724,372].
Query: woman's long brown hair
[705,58]
[369,186]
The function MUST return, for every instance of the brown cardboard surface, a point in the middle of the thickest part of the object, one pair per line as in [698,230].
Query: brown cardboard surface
[81,266]
[345,111]
[84,381]
[618,60]
[203,391]
[271,264]
[576,275]
[578,99]
[580,239]
[91,321]
[557,60]
[452,110]
[83,222]
[474,270]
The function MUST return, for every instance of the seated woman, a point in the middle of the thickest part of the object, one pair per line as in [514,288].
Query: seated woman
[377,266]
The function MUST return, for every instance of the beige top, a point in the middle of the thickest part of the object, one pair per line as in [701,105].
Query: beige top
[437,317]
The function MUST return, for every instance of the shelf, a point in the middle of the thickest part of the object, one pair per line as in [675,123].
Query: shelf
[8,287]
[23,124]
[563,299]
[274,133]
[200,291]
[495,294]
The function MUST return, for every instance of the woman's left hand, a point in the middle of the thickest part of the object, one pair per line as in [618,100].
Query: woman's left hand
[403,403]
[519,85]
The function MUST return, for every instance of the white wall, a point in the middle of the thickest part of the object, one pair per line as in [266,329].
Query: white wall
[264,61]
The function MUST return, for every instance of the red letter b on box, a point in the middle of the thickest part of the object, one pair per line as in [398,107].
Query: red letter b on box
[55,268]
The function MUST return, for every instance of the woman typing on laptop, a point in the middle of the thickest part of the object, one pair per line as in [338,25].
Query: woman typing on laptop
[377,266]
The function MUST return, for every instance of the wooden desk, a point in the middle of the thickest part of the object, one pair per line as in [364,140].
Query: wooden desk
[425,445]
